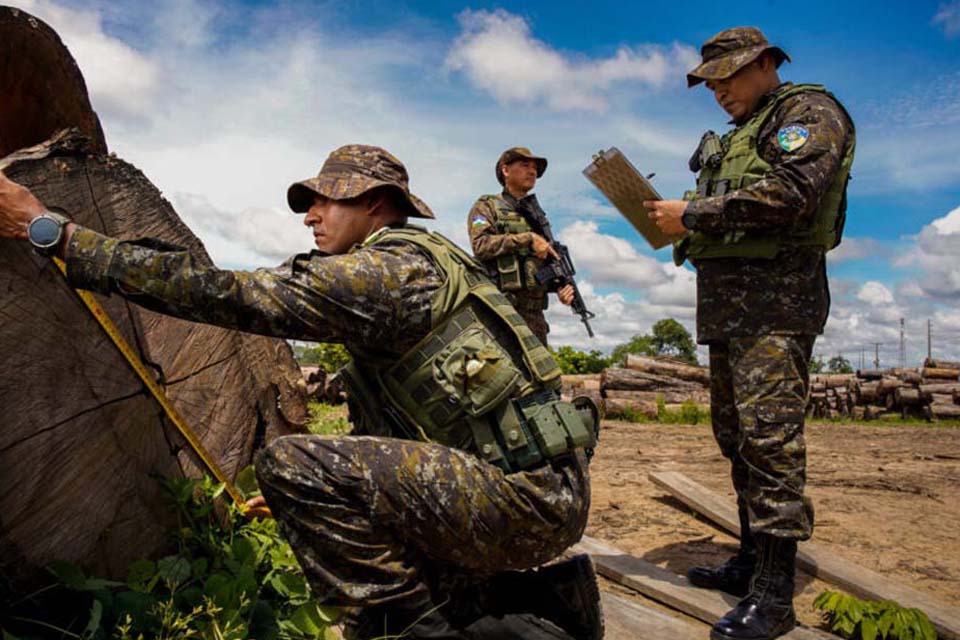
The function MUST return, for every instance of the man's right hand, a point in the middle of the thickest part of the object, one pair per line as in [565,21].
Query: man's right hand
[541,248]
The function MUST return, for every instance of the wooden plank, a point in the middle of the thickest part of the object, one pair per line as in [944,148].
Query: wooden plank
[629,620]
[668,588]
[815,559]
[623,620]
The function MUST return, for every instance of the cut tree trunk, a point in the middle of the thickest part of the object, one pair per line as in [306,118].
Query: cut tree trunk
[669,396]
[905,396]
[870,374]
[945,410]
[937,363]
[81,439]
[930,373]
[628,379]
[622,407]
[669,369]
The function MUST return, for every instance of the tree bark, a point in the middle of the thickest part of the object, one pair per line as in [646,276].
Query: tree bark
[621,407]
[628,379]
[81,439]
[668,369]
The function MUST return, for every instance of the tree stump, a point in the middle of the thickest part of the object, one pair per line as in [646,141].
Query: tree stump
[81,438]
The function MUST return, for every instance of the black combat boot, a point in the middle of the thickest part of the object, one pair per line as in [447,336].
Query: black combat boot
[564,593]
[767,611]
[417,619]
[733,576]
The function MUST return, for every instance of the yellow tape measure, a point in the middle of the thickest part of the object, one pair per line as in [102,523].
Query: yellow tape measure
[138,367]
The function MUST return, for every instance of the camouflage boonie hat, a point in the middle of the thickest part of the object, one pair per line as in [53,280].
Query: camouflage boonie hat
[352,170]
[516,153]
[731,50]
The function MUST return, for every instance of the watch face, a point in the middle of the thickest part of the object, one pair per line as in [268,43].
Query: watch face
[44,232]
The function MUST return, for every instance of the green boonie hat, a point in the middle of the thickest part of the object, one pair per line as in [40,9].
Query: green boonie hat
[731,50]
[352,170]
[516,153]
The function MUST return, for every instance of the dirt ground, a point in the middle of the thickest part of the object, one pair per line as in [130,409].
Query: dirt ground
[887,497]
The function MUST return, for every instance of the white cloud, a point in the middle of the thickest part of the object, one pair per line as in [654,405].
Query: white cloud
[875,293]
[854,249]
[935,251]
[499,54]
[948,18]
[122,82]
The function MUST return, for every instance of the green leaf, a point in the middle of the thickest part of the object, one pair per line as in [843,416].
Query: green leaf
[243,550]
[199,567]
[308,620]
[174,570]
[140,576]
[218,490]
[868,629]
[246,482]
[69,574]
[291,586]
[96,612]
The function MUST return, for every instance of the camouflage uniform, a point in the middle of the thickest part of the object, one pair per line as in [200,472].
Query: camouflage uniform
[760,315]
[372,520]
[491,241]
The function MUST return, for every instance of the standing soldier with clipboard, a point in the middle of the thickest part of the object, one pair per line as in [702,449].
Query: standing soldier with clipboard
[770,202]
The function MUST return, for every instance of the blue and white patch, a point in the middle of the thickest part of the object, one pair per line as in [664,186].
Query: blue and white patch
[792,137]
[479,221]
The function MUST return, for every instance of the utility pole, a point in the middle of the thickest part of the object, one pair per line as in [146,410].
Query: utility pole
[903,353]
[929,342]
[876,354]
[862,356]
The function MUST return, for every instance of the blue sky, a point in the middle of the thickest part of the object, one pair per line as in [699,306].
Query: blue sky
[223,104]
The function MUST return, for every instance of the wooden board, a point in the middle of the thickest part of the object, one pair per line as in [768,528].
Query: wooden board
[668,588]
[816,560]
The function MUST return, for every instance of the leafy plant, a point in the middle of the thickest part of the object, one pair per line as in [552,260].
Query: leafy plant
[689,413]
[224,578]
[839,364]
[870,620]
[668,338]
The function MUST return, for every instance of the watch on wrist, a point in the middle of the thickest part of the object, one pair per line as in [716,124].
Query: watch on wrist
[45,232]
[689,221]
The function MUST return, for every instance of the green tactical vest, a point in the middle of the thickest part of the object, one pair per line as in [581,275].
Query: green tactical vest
[513,271]
[478,381]
[742,166]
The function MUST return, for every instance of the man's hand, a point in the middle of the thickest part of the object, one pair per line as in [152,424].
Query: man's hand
[667,213]
[17,208]
[541,248]
[565,294]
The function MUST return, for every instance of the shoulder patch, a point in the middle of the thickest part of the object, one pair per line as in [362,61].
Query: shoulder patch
[792,137]
[478,221]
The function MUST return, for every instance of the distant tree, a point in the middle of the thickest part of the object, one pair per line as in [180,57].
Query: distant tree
[574,361]
[670,338]
[839,364]
[329,355]
[640,344]
[816,364]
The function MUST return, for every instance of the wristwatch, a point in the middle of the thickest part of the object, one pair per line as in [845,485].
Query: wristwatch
[689,221]
[45,232]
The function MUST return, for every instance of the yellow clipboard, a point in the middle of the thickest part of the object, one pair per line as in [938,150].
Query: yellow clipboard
[626,189]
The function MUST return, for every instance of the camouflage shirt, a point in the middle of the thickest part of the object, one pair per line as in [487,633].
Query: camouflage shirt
[485,237]
[375,296]
[739,297]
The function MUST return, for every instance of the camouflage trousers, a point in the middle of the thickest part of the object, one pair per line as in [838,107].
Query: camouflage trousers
[531,310]
[377,520]
[758,396]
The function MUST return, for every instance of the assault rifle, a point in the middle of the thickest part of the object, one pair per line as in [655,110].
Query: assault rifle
[556,274]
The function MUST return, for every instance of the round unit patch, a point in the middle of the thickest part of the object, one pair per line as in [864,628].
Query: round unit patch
[792,137]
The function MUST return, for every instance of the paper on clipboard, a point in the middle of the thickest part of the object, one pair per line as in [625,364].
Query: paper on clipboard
[626,189]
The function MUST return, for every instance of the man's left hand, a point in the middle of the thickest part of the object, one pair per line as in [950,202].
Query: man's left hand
[667,213]
[17,208]
[565,294]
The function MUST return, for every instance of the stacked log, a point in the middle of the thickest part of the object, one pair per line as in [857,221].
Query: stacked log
[643,383]
[931,391]
[831,395]
[322,386]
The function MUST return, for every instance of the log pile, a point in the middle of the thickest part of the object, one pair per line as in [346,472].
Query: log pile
[637,387]
[322,386]
[931,391]
[831,396]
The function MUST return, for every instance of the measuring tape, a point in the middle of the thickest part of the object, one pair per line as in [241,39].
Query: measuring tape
[138,367]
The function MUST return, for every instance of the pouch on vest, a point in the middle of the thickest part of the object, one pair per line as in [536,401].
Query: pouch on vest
[556,426]
[475,371]
[509,272]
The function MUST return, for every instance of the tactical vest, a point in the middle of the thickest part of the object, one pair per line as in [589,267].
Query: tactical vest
[741,166]
[478,381]
[514,271]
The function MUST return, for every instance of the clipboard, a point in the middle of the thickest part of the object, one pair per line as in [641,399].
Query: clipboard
[626,189]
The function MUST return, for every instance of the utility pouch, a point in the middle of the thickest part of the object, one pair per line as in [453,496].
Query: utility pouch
[509,272]
[475,372]
[555,425]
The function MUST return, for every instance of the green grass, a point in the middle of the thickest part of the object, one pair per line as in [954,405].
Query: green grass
[327,419]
